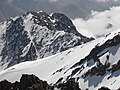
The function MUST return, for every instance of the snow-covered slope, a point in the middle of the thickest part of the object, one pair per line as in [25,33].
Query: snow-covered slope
[93,65]
[36,35]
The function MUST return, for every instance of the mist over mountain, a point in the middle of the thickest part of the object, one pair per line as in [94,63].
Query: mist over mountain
[71,8]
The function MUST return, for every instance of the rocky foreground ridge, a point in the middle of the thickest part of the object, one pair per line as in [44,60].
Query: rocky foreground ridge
[31,82]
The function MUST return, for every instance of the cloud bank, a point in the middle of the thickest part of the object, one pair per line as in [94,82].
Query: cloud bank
[99,23]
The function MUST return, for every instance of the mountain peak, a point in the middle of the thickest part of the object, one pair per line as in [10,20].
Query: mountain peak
[36,35]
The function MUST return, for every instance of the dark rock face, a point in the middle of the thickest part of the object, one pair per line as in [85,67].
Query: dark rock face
[118,89]
[69,85]
[103,88]
[95,55]
[31,82]
[5,85]
[63,22]
[16,39]
[36,35]
[27,82]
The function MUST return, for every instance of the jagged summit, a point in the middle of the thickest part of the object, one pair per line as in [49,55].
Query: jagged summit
[36,35]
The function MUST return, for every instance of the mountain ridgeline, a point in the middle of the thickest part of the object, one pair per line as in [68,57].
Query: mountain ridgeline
[36,35]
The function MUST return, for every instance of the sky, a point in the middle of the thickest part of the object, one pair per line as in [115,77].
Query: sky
[53,0]
[106,0]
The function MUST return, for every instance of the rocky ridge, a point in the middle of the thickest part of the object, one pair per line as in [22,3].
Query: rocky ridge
[31,82]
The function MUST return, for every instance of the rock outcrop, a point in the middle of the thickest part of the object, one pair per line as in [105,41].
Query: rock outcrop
[31,82]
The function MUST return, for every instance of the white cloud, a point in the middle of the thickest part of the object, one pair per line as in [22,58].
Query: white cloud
[100,23]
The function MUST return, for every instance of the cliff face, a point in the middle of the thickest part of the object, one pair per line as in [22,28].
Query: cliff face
[36,35]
